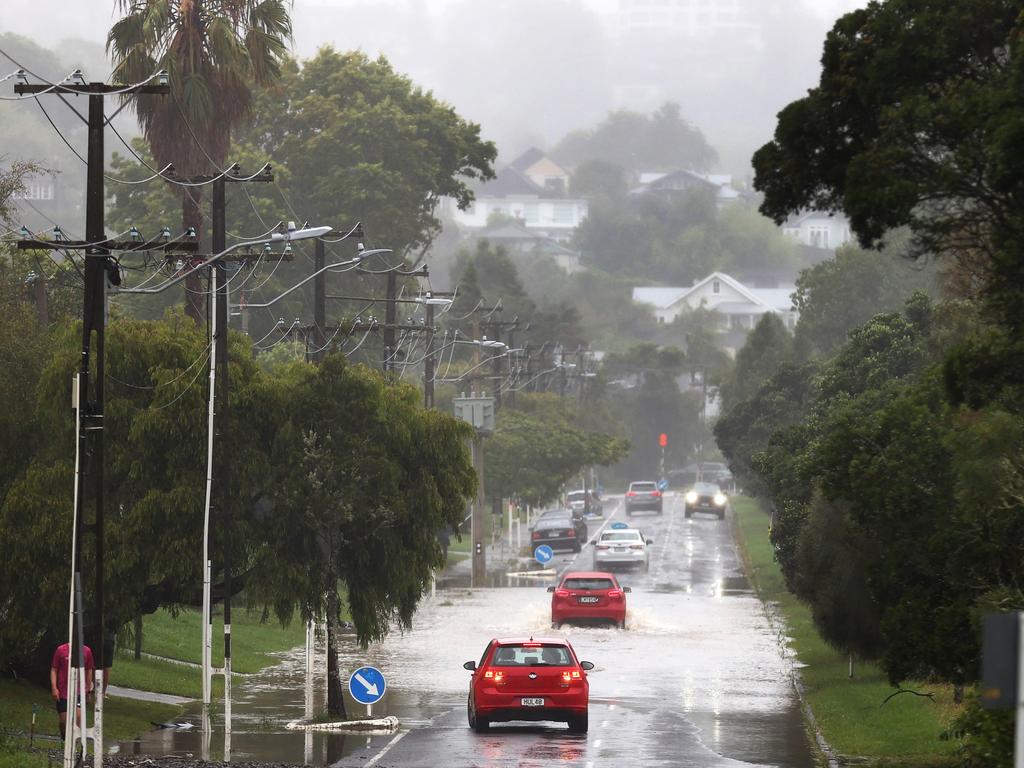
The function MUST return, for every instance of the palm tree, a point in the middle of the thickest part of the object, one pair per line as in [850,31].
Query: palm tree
[214,52]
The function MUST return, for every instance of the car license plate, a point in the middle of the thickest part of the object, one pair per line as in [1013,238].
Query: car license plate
[533,702]
[588,599]
[553,535]
[619,550]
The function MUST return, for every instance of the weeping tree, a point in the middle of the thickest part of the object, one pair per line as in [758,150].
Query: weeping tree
[214,52]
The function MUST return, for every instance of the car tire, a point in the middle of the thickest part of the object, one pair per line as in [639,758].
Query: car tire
[478,723]
[579,724]
[556,625]
[577,547]
[687,512]
[721,515]
[620,624]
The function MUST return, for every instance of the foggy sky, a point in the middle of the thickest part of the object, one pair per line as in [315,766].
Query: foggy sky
[531,70]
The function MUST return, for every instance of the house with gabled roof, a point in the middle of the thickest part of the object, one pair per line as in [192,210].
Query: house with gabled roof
[516,238]
[676,183]
[532,189]
[819,229]
[739,307]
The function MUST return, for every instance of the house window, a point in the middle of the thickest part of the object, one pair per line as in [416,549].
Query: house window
[716,287]
[563,213]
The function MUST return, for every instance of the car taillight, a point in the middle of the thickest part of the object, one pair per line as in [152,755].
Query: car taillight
[602,546]
[636,546]
[495,676]
[615,594]
[536,534]
[656,493]
[569,676]
[561,593]
[631,493]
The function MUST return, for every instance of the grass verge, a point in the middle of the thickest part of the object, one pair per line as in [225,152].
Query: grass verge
[849,712]
[122,719]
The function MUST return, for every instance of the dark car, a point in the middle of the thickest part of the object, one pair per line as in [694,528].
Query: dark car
[584,503]
[643,495]
[560,532]
[705,497]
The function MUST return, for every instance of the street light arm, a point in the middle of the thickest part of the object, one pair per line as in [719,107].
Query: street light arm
[301,283]
[276,237]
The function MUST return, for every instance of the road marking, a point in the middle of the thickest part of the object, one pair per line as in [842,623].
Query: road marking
[590,764]
[665,543]
[605,723]
[373,760]
[597,744]
[597,533]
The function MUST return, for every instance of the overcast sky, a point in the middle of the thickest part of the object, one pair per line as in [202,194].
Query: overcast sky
[531,70]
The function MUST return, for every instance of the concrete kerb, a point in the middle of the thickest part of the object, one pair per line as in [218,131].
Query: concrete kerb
[387,724]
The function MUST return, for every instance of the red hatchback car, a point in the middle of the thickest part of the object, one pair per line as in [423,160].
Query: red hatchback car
[588,596]
[528,679]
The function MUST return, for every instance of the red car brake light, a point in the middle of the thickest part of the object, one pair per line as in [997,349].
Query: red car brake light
[615,594]
[569,676]
[656,493]
[561,593]
[636,546]
[602,546]
[631,493]
[494,675]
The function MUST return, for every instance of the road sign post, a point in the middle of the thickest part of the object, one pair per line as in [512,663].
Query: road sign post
[543,554]
[367,686]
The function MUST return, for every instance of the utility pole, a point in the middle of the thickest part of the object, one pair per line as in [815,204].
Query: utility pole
[98,269]
[320,287]
[389,321]
[428,362]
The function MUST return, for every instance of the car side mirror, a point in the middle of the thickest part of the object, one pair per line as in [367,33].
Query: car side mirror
[551,589]
[470,665]
[650,541]
[627,589]
[587,665]
[593,542]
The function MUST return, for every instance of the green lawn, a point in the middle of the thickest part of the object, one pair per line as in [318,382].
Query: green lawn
[851,716]
[251,640]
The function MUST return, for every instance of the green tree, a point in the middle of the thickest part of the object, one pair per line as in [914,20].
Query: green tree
[767,347]
[663,141]
[214,51]
[361,142]
[915,122]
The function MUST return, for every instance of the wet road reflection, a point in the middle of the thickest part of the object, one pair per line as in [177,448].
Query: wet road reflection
[696,679]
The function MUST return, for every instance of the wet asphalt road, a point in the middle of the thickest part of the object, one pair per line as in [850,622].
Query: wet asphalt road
[696,679]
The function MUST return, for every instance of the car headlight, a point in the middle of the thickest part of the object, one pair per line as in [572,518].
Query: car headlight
[691,497]
[720,499]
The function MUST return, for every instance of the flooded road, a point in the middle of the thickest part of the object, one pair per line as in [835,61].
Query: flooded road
[697,678]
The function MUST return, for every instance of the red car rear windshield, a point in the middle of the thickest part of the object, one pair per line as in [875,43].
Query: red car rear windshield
[588,584]
[532,656]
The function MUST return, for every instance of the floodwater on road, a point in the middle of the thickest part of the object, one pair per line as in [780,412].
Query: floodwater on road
[697,678]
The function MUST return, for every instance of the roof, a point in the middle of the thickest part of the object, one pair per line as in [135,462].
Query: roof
[528,158]
[510,181]
[588,575]
[530,639]
[779,298]
[797,219]
[662,298]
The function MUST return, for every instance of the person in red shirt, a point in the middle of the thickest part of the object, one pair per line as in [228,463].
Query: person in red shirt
[59,679]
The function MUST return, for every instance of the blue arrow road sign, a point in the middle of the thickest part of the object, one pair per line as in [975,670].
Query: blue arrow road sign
[662,485]
[543,554]
[367,685]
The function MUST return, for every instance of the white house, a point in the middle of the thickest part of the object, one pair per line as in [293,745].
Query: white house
[532,189]
[669,185]
[739,306]
[819,229]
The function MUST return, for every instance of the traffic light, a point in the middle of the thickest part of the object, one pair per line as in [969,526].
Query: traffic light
[662,439]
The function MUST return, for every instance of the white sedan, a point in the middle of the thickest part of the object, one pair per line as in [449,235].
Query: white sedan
[622,547]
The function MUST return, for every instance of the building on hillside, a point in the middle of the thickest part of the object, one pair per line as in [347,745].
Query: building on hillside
[819,229]
[533,190]
[516,238]
[676,183]
[689,18]
[739,307]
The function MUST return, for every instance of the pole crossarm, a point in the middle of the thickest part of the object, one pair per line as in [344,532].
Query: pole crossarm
[86,89]
[109,245]
[242,257]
